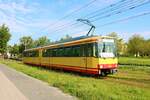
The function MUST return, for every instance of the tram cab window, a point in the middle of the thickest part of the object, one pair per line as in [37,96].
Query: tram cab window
[107,48]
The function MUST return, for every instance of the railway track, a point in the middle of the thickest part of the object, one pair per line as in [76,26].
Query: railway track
[134,65]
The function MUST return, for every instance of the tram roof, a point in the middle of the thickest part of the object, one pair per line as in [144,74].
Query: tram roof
[70,40]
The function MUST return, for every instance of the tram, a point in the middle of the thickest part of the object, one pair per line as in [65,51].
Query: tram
[86,54]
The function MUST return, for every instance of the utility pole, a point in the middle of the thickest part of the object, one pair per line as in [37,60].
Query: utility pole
[86,21]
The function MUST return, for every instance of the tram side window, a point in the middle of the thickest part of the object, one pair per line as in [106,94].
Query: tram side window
[90,50]
[68,52]
[34,53]
[25,54]
[60,52]
[54,52]
[31,54]
[45,53]
[83,50]
[76,51]
[49,52]
[95,49]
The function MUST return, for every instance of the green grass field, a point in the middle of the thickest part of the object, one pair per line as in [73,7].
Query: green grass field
[130,83]
[134,61]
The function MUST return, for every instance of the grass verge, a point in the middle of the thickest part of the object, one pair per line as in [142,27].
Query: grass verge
[134,61]
[128,84]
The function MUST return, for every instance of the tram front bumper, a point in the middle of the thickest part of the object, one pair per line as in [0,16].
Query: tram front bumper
[112,71]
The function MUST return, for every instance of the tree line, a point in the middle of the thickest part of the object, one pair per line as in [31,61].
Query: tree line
[136,46]
[27,42]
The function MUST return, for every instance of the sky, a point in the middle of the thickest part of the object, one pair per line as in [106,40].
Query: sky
[38,18]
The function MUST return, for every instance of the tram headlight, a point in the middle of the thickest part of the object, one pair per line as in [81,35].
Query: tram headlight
[101,66]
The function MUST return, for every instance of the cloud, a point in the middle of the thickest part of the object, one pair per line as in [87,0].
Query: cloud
[14,8]
[14,15]
[36,18]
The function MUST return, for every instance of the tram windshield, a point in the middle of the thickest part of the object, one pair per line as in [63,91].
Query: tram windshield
[107,48]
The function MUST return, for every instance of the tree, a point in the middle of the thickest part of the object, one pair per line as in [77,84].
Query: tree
[121,46]
[67,37]
[42,41]
[136,45]
[113,34]
[14,50]
[4,38]
[147,47]
[26,42]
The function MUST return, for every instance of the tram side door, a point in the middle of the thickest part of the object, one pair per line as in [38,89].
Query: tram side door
[84,55]
[40,56]
[87,54]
